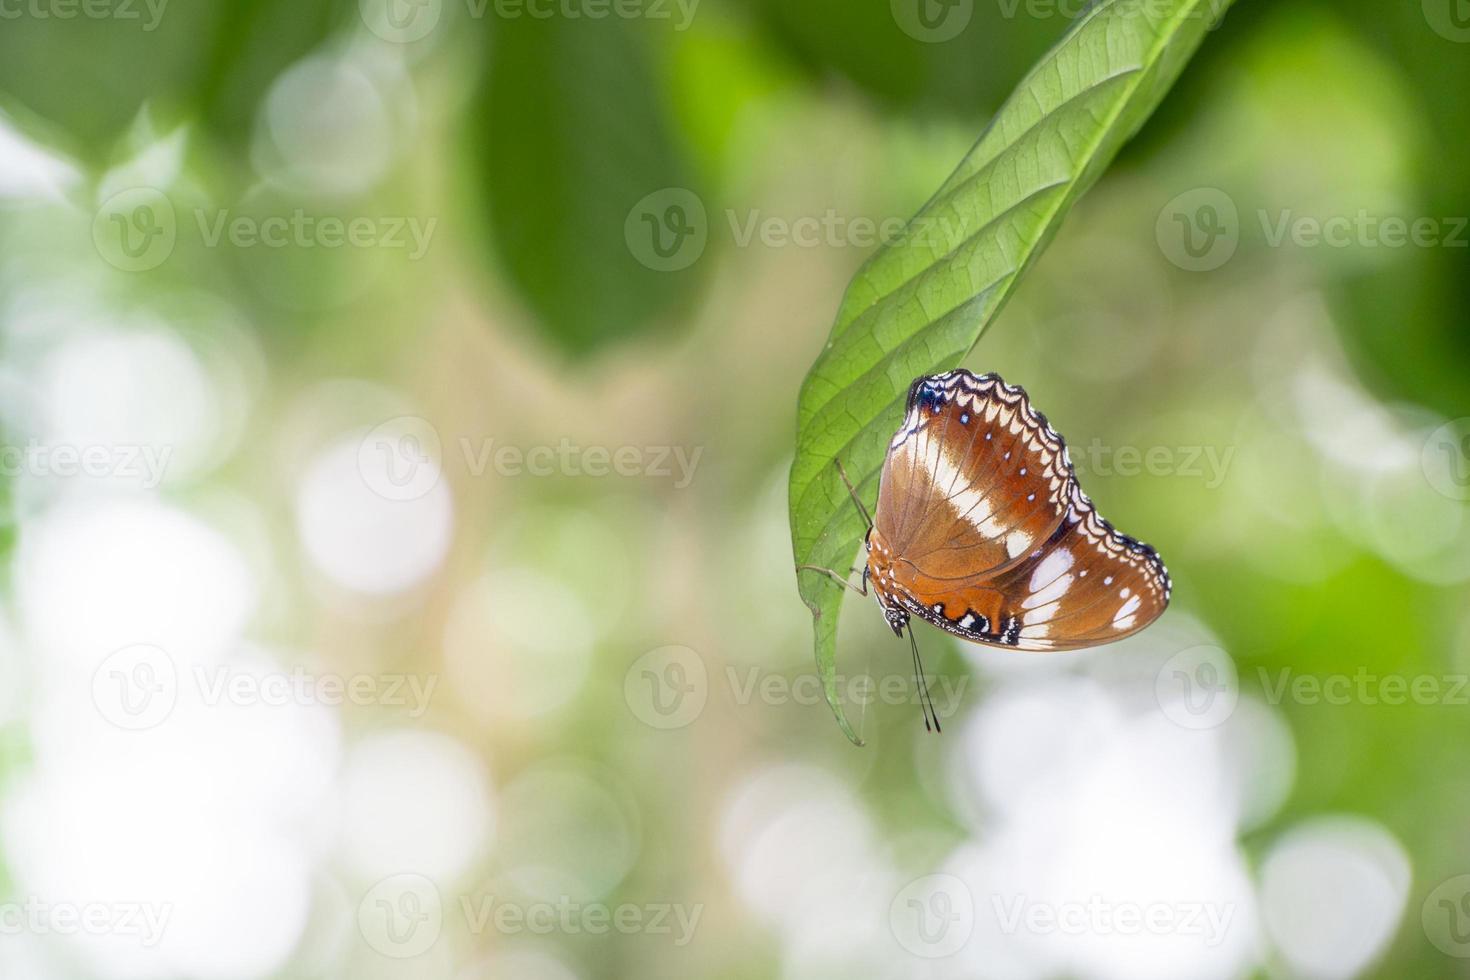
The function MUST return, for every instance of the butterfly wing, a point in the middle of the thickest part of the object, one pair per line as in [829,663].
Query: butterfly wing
[974,479]
[1087,585]
[1081,583]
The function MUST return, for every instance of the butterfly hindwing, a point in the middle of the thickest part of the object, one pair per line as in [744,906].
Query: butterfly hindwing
[1087,585]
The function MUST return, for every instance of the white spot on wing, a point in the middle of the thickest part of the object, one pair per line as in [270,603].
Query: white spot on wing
[1043,614]
[1124,616]
[1052,593]
[1050,567]
[969,502]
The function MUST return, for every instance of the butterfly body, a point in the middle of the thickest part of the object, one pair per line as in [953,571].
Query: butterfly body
[982,530]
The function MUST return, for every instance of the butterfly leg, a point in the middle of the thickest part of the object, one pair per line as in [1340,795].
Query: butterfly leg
[853,494]
[839,579]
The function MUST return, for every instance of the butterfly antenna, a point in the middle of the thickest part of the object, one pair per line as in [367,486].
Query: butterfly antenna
[926,703]
[853,493]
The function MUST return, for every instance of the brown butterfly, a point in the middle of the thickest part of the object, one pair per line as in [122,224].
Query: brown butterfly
[983,531]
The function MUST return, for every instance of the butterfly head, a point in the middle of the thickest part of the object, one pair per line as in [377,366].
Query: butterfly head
[897,619]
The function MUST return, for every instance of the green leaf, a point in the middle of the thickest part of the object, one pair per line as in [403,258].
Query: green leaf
[966,68]
[919,305]
[210,61]
[573,137]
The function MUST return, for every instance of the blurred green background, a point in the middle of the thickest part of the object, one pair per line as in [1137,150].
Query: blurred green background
[398,399]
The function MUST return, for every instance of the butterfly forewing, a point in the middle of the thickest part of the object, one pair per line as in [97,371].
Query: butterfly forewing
[991,538]
[974,479]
